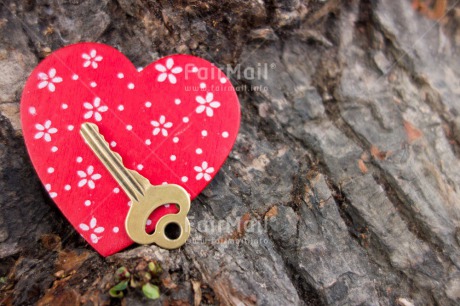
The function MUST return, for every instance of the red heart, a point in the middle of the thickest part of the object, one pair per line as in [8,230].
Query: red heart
[175,121]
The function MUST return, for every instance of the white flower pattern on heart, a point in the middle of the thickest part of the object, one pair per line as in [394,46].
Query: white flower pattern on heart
[204,171]
[94,109]
[93,228]
[168,72]
[91,59]
[161,126]
[48,80]
[88,177]
[44,131]
[207,104]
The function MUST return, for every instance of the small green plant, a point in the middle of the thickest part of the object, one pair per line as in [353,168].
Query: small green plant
[122,274]
[145,276]
[117,290]
[155,268]
[151,291]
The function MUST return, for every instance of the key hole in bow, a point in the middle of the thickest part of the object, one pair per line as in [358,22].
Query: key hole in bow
[172,231]
[157,214]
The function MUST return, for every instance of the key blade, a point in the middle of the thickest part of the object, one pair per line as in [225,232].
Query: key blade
[111,160]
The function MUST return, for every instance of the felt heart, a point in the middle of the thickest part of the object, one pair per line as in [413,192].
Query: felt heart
[174,122]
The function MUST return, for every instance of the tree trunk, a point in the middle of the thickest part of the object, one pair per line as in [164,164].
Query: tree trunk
[345,169]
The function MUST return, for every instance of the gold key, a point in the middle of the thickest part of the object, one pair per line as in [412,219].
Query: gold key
[145,197]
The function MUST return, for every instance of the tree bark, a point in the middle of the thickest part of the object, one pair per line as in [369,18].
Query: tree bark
[346,165]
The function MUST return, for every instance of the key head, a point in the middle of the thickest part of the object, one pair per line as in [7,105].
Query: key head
[154,197]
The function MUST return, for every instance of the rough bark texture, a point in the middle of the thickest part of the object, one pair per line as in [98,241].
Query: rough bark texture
[348,160]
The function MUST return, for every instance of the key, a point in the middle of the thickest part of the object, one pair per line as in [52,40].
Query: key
[145,197]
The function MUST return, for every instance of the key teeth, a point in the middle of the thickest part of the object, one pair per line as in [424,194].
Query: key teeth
[95,129]
[136,174]
[141,179]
